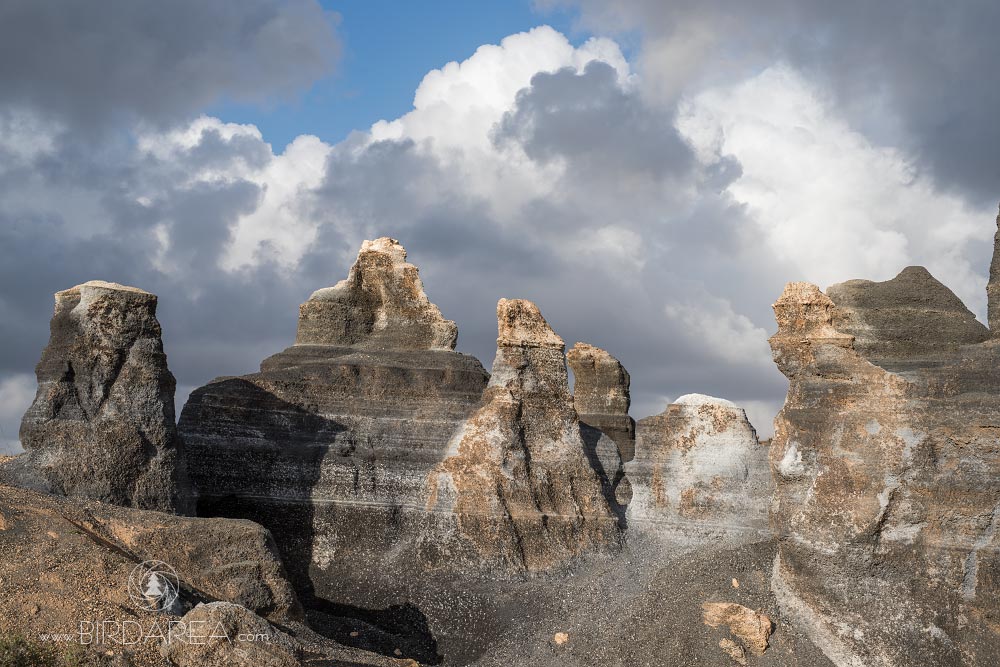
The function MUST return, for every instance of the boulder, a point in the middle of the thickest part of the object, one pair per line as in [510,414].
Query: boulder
[222,634]
[102,423]
[517,478]
[699,474]
[601,395]
[886,461]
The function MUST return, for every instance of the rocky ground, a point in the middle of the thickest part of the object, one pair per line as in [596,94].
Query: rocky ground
[64,562]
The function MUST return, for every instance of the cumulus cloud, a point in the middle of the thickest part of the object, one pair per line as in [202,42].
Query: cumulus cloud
[909,74]
[826,199]
[658,226]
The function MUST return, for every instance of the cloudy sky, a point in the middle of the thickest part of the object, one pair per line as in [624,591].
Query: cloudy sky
[650,172]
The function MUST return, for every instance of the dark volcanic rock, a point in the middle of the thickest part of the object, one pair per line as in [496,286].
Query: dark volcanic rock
[886,459]
[600,394]
[102,423]
[518,476]
[700,475]
[330,445]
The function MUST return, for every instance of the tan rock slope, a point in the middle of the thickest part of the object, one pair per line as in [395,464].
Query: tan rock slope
[887,465]
[102,423]
[518,477]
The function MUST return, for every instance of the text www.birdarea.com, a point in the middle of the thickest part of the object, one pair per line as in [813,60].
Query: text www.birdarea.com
[132,633]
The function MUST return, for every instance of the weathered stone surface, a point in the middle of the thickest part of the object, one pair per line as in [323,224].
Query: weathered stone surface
[601,396]
[102,423]
[381,305]
[330,445]
[700,474]
[887,465]
[518,476]
[222,634]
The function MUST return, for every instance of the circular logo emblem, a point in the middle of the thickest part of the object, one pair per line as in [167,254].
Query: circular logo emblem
[153,585]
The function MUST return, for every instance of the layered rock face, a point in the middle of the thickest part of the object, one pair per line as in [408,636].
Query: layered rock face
[700,474]
[601,396]
[518,477]
[887,466]
[330,445]
[102,423]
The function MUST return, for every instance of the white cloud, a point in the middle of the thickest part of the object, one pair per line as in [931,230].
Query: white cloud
[723,333]
[827,200]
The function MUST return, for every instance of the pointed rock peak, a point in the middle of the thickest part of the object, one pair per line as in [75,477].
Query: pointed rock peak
[993,286]
[896,320]
[380,306]
[520,323]
[913,287]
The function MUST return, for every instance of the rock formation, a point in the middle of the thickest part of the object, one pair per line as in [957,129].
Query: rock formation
[699,474]
[102,423]
[600,393]
[993,286]
[518,478]
[330,445]
[380,306]
[887,465]
[66,565]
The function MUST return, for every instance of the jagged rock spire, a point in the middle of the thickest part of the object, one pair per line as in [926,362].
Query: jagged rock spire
[993,286]
[518,478]
[381,305]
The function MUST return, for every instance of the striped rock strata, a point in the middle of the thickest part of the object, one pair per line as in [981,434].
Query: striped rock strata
[331,443]
[700,474]
[886,458]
